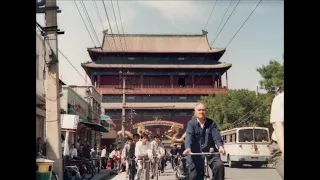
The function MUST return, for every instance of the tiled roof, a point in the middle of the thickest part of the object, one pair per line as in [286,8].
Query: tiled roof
[155,43]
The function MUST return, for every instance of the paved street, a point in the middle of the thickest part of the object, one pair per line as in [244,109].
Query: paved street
[245,173]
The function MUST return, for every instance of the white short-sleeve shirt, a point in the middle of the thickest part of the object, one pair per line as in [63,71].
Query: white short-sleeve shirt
[277,111]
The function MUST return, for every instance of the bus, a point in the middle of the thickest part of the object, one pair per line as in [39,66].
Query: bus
[241,148]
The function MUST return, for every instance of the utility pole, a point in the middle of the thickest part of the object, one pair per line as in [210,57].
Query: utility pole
[52,89]
[132,114]
[257,91]
[123,116]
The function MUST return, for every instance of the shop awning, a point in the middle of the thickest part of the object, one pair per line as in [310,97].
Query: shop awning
[95,126]
[107,121]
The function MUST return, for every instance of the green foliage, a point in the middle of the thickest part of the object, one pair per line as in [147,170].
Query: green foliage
[273,77]
[239,108]
[235,108]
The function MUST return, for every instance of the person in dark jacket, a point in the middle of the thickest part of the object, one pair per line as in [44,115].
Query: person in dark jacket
[202,134]
[38,146]
[132,157]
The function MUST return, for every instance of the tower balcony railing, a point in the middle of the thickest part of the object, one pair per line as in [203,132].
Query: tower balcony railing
[154,89]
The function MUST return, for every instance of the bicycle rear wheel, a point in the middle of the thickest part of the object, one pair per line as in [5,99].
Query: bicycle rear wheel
[89,171]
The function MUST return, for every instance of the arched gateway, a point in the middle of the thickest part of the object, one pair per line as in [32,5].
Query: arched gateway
[158,123]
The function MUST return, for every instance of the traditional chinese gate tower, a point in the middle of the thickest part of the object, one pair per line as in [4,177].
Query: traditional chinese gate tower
[165,75]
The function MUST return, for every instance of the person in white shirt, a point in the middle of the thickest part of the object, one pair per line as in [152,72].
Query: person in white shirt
[277,140]
[73,151]
[103,157]
[125,155]
[157,150]
[64,152]
[117,159]
[112,154]
[143,150]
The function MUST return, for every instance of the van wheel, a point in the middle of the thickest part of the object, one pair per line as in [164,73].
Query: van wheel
[231,163]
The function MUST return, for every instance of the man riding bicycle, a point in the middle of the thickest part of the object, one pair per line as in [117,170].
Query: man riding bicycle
[143,153]
[132,156]
[158,151]
[125,155]
[202,134]
[174,151]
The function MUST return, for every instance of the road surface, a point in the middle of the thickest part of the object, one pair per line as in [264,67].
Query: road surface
[244,173]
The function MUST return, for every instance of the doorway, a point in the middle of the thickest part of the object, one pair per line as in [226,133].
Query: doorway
[181,82]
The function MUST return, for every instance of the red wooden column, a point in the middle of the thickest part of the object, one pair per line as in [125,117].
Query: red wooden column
[193,85]
[220,82]
[214,80]
[92,79]
[227,79]
[141,81]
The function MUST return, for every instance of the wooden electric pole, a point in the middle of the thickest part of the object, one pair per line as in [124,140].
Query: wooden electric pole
[52,89]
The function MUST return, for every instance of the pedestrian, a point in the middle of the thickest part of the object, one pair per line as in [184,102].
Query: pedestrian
[277,139]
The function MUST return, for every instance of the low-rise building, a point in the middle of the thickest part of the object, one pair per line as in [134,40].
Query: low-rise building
[93,98]
[73,103]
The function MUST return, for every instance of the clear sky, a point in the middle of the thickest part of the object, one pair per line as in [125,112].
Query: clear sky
[260,39]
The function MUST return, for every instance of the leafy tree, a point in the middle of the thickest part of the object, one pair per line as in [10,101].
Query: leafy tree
[239,108]
[235,109]
[273,77]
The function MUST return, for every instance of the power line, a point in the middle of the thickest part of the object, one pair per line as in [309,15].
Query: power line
[89,20]
[105,10]
[95,3]
[84,23]
[214,5]
[121,24]
[243,23]
[115,19]
[72,65]
[225,22]
[214,38]
[225,13]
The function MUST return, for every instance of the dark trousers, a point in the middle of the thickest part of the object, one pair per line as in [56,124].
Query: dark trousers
[174,161]
[132,169]
[162,164]
[196,172]
[104,162]
[276,158]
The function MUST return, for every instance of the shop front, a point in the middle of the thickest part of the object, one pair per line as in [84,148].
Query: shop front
[74,104]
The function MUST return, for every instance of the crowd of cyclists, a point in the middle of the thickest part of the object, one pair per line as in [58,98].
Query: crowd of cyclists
[143,154]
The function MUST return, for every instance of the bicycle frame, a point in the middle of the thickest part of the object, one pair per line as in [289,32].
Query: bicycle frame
[144,161]
[157,164]
[206,163]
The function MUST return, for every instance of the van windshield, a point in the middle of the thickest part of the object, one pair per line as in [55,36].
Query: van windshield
[260,135]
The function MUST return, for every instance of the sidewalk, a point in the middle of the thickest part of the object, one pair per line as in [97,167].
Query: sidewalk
[104,173]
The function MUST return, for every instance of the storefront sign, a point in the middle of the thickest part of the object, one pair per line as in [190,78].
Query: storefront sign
[77,108]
